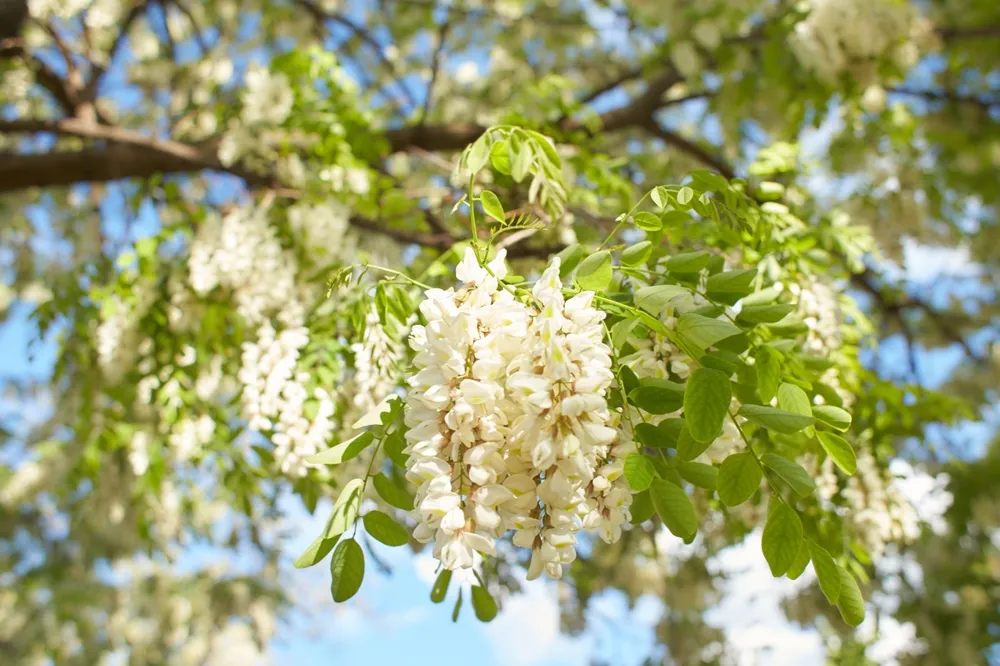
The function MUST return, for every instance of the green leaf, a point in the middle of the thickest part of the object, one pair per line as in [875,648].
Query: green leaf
[384,529]
[639,471]
[710,179]
[391,493]
[647,221]
[629,381]
[659,195]
[827,571]
[440,588]
[620,332]
[793,399]
[700,474]
[637,254]
[491,205]
[764,314]
[347,566]
[569,258]
[658,399]
[661,436]
[739,478]
[654,299]
[483,603]
[791,473]
[674,508]
[688,448]
[675,218]
[520,159]
[776,419]
[782,539]
[835,417]
[344,451]
[762,297]
[790,325]
[839,450]
[394,445]
[594,273]
[730,286]
[458,607]
[382,414]
[685,195]
[767,364]
[346,509]
[706,403]
[800,562]
[850,603]
[702,332]
[500,157]
[688,262]
[479,153]
[316,552]
[642,507]
[720,363]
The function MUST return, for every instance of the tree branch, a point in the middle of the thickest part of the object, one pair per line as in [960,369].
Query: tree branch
[946,96]
[129,155]
[690,148]
[954,33]
[868,281]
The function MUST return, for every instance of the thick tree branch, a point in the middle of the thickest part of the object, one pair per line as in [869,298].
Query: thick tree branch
[128,155]
[689,148]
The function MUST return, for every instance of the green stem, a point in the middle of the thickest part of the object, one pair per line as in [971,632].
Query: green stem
[770,481]
[472,217]
[399,275]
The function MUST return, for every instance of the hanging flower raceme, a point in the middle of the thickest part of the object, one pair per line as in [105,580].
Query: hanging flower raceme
[563,433]
[509,424]
[458,413]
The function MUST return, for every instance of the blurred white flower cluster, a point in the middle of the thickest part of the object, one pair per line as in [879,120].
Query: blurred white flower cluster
[241,252]
[376,358]
[275,395]
[118,335]
[509,425]
[851,37]
[885,506]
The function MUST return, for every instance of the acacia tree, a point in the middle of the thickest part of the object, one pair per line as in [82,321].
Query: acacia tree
[537,281]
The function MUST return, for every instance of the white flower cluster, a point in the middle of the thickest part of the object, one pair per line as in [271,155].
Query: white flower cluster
[188,435]
[376,358]
[657,357]
[881,514]
[322,228]
[274,397]
[241,253]
[851,36]
[821,312]
[118,335]
[877,504]
[509,426]
[267,97]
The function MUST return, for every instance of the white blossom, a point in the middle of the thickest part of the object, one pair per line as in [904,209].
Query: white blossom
[267,97]
[509,426]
